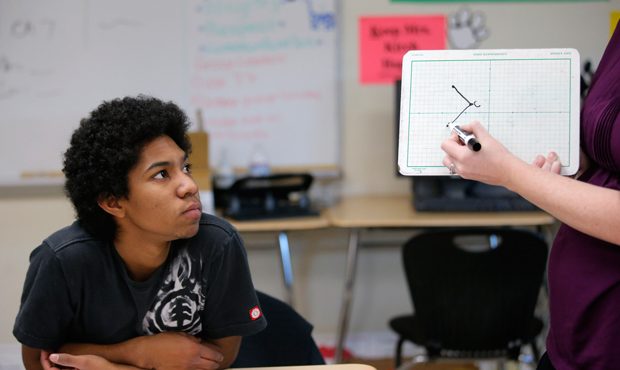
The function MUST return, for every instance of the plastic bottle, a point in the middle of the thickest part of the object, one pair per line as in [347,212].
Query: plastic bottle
[259,163]
[225,175]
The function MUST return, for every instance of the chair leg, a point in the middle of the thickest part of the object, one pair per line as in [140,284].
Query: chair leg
[398,357]
[535,351]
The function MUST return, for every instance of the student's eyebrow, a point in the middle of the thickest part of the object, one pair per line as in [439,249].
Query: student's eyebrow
[165,163]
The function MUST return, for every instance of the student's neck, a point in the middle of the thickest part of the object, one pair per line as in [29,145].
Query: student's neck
[142,257]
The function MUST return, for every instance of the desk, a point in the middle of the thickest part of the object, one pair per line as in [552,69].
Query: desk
[360,212]
[282,226]
[315,367]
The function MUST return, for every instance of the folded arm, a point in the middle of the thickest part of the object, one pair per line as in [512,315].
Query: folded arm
[169,350]
[228,347]
[590,209]
[50,361]
[36,359]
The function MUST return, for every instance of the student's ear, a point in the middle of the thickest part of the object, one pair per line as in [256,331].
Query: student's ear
[110,204]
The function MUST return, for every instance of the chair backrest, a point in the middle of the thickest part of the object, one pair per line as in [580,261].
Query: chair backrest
[286,341]
[482,300]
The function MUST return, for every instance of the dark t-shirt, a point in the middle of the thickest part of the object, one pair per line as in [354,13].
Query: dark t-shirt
[77,290]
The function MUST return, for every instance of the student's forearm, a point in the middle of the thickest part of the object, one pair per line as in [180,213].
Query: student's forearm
[30,364]
[164,350]
[83,362]
[126,353]
[590,209]
[228,347]
[36,359]
[31,358]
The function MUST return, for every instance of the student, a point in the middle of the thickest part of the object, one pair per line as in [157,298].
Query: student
[142,278]
[584,264]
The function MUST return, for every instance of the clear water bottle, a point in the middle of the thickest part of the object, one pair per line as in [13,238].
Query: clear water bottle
[225,175]
[259,163]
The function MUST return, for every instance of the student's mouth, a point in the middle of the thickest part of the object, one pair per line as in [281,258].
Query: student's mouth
[194,210]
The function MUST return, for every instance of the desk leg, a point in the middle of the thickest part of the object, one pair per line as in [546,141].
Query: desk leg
[287,268]
[348,293]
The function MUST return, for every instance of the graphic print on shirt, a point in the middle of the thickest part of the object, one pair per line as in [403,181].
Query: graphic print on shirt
[179,302]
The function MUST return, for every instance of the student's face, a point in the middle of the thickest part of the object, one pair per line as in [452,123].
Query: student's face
[163,202]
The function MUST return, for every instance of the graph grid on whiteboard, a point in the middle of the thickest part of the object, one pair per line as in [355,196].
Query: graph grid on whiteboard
[526,99]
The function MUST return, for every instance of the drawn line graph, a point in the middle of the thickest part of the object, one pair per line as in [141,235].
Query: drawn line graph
[469,104]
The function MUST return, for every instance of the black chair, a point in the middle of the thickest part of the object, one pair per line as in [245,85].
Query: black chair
[286,341]
[472,304]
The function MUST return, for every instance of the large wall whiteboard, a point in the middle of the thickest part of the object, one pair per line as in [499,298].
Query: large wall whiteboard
[263,72]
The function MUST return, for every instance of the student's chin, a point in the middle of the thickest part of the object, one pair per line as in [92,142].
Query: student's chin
[188,233]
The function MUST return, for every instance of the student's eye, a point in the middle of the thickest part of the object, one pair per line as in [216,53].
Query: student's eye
[187,168]
[161,174]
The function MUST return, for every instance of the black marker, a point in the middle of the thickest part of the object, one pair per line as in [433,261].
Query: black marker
[467,138]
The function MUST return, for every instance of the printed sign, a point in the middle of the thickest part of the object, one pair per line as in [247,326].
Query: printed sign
[385,40]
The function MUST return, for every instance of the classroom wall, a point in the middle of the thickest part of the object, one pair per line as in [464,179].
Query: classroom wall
[368,164]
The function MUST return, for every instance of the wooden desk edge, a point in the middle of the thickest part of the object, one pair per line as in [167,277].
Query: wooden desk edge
[397,211]
[315,367]
[283,224]
[464,220]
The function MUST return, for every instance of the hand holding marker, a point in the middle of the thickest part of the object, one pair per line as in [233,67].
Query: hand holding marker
[467,138]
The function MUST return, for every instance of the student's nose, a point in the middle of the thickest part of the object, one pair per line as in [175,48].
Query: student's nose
[187,186]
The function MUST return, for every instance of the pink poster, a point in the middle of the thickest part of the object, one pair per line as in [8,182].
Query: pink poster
[384,41]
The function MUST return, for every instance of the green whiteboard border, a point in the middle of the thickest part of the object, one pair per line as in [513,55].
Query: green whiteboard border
[570,122]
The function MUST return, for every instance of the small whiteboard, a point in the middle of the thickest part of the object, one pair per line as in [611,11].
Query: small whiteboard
[528,99]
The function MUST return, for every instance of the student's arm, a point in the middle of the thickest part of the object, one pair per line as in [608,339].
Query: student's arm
[228,347]
[590,209]
[83,362]
[31,358]
[36,359]
[169,350]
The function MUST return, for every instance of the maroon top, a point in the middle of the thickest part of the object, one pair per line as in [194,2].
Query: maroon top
[584,272]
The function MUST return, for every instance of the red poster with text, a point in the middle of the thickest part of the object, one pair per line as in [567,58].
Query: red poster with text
[385,40]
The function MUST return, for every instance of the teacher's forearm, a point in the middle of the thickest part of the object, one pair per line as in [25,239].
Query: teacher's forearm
[590,209]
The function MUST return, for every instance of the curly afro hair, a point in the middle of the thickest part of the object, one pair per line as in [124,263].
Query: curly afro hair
[107,145]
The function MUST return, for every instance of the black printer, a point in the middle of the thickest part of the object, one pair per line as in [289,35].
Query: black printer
[274,196]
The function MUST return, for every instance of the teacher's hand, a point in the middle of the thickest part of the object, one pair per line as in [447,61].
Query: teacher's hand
[549,163]
[491,165]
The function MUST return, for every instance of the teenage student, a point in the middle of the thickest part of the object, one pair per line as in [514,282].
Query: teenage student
[143,278]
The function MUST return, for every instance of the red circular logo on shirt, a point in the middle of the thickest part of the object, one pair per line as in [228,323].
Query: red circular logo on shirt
[255,313]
